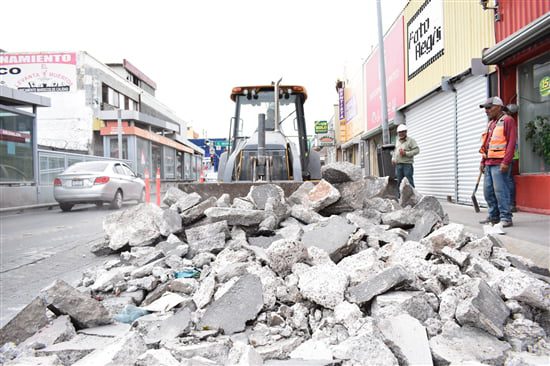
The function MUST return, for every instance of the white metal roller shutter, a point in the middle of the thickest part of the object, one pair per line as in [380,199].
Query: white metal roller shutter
[471,123]
[432,124]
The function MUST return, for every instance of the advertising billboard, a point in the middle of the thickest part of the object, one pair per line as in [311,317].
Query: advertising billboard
[395,77]
[39,72]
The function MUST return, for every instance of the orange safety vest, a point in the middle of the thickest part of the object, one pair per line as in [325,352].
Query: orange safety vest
[497,144]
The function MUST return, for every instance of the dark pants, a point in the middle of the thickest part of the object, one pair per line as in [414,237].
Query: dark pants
[404,170]
[497,193]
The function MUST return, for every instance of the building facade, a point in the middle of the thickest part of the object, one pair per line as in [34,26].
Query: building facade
[99,109]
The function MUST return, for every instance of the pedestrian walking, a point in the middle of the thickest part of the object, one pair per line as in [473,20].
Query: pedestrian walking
[403,155]
[497,152]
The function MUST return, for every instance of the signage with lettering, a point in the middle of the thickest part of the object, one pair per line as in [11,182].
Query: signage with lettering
[425,37]
[321,126]
[341,107]
[39,72]
[544,86]
[326,139]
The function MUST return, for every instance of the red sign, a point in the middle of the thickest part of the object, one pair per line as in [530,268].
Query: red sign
[395,76]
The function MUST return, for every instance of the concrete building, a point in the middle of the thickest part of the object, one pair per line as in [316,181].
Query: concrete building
[90,99]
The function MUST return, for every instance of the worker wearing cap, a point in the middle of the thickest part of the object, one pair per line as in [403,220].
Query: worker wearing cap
[403,155]
[497,152]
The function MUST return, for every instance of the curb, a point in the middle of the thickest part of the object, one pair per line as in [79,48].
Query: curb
[28,207]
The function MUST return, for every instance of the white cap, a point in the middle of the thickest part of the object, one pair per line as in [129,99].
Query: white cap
[401,127]
[491,102]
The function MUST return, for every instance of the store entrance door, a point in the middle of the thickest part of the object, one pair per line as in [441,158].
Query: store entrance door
[156,159]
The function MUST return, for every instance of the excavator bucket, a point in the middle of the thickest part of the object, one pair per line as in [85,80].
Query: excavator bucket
[234,189]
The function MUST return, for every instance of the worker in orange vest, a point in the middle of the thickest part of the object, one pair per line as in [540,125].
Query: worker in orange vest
[497,152]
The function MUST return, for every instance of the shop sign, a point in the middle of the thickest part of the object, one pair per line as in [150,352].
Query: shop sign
[326,139]
[425,37]
[341,104]
[351,109]
[39,72]
[544,86]
[321,127]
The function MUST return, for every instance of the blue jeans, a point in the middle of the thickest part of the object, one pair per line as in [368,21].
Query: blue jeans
[497,193]
[404,170]
[511,184]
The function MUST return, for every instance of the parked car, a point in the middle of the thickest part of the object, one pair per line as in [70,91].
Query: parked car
[97,182]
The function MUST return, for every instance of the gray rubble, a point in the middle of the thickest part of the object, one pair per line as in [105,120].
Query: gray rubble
[339,273]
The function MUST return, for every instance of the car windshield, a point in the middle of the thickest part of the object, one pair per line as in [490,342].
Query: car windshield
[89,166]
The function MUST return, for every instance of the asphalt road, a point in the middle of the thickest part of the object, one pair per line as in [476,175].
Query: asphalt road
[39,246]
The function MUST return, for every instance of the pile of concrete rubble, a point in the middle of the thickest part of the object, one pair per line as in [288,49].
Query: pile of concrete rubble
[338,273]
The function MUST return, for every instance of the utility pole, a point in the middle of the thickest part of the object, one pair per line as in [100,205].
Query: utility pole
[119,133]
[382,76]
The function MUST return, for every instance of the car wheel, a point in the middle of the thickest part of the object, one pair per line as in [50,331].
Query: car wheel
[116,203]
[142,196]
[66,207]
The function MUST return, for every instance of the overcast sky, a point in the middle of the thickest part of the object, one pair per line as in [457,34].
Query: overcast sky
[196,51]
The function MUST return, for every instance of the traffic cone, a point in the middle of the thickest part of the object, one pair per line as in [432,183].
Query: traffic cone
[201,178]
[147,186]
[158,186]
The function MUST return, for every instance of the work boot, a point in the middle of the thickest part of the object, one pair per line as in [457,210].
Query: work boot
[489,220]
[506,223]
[514,209]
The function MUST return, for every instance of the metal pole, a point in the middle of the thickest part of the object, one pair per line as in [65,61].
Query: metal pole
[382,76]
[119,133]
[277,116]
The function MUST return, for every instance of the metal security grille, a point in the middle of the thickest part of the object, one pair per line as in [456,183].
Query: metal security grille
[471,123]
[432,124]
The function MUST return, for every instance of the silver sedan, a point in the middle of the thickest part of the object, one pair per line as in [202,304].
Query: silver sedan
[98,182]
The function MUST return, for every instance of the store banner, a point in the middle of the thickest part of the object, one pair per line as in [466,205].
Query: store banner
[39,72]
[425,37]
[341,104]
[395,77]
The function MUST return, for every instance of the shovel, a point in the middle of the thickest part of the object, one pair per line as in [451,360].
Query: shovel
[474,199]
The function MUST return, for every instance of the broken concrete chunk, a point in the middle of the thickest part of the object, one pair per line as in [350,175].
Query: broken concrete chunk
[404,218]
[323,284]
[481,247]
[332,236]
[25,323]
[430,204]
[321,196]
[243,204]
[204,231]
[60,330]
[300,195]
[484,309]
[378,284]
[417,304]
[157,357]
[452,235]
[406,337]
[197,212]
[361,266]
[408,196]
[61,298]
[523,333]
[456,256]
[136,226]
[366,349]
[170,223]
[516,285]
[283,254]
[341,172]
[172,195]
[205,292]
[70,352]
[424,225]
[303,214]
[186,202]
[260,194]
[235,216]
[230,313]
[468,344]
[122,351]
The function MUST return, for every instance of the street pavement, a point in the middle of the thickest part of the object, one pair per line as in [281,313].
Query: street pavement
[529,237]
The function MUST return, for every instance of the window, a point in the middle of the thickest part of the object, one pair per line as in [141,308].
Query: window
[533,102]
[16,154]
[143,156]
[50,167]
[187,166]
[179,165]
[113,147]
[169,162]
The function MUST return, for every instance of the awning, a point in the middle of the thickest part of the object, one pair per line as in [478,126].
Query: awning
[351,142]
[376,131]
[533,32]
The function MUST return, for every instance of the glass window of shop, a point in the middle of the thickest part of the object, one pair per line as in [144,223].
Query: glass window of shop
[169,162]
[156,158]
[50,167]
[186,166]
[16,155]
[179,165]
[143,156]
[534,103]
[113,147]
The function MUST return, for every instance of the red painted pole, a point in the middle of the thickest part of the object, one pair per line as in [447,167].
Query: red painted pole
[158,186]
[147,186]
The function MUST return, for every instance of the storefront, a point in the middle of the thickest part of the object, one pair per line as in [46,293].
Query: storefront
[522,55]
[148,152]
[18,147]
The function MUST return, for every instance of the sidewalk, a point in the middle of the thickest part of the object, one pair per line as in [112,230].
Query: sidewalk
[529,237]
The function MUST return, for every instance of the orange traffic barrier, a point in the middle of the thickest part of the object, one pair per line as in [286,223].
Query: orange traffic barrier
[158,186]
[147,186]
[201,178]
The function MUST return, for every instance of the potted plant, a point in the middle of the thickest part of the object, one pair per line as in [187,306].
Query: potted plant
[538,132]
